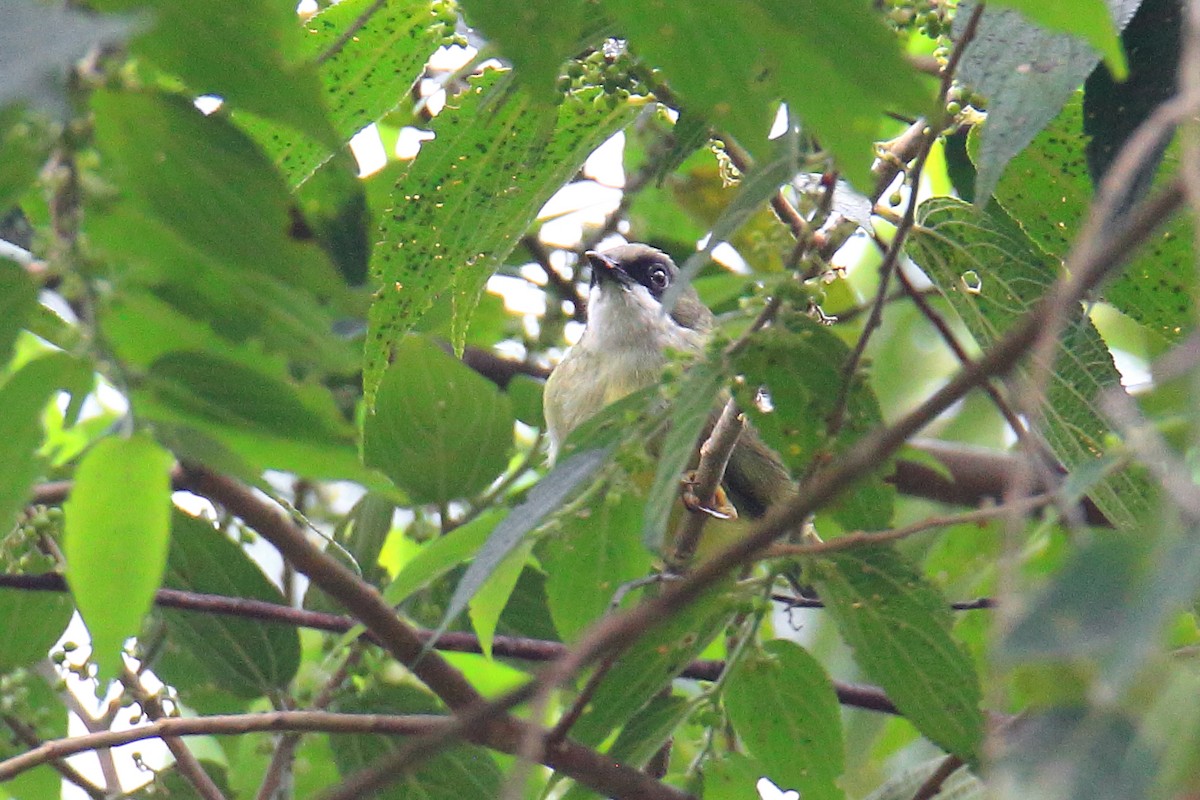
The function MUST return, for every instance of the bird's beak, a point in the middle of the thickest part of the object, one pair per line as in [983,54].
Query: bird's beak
[605,269]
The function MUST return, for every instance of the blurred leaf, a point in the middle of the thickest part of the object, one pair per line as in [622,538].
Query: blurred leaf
[1087,19]
[40,43]
[651,663]
[546,496]
[1026,73]
[243,656]
[537,37]
[1075,755]
[1047,188]
[452,774]
[333,204]
[460,208]
[695,394]
[1113,108]
[251,55]
[368,76]
[732,776]
[24,147]
[961,785]
[800,366]
[899,628]
[23,397]
[43,715]
[991,273]
[488,603]
[208,184]
[18,297]
[591,553]
[832,61]
[784,708]
[118,526]
[30,624]
[439,429]
[526,395]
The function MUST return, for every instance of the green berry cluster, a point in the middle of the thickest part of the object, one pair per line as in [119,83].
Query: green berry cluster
[609,68]
[20,550]
[930,18]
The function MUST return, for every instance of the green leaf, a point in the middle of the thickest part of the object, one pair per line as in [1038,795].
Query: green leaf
[208,184]
[784,708]
[651,663]
[368,76]
[18,297]
[30,624]
[118,525]
[991,273]
[642,736]
[732,776]
[591,553]
[438,556]
[249,54]
[41,43]
[832,61]
[439,429]
[1047,188]
[450,774]
[899,628]
[24,147]
[45,717]
[23,397]
[489,601]
[695,396]
[537,37]
[1027,73]
[1087,19]
[460,208]
[545,497]
[245,657]
[800,364]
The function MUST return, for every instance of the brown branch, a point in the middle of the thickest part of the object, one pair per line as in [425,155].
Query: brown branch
[933,784]
[714,458]
[28,736]
[564,286]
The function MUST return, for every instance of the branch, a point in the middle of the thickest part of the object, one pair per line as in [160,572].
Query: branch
[28,736]
[714,458]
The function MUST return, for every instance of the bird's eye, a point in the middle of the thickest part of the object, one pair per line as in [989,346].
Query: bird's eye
[658,278]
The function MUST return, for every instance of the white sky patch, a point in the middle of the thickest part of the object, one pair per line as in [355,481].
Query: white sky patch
[409,141]
[518,295]
[368,151]
[207,103]
[604,166]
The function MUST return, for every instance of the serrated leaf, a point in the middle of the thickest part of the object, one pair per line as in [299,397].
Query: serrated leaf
[438,429]
[368,76]
[117,528]
[784,708]
[209,184]
[452,774]
[991,273]
[40,43]
[832,61]
[589,555]
[899,628]
[250,54]
[488,603]
[245,657]
[30,624]
[691,408]
[800,366]
[460,208]
[23,397]
[651,663]
[18,296]
[1027,73]
[544,498]
[1047,188]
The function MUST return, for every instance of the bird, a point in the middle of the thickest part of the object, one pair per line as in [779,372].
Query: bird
[626,343]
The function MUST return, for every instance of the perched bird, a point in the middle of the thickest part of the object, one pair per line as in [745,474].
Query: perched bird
[624,348]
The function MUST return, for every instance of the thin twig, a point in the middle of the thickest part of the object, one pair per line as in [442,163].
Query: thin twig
[28,736]
[710,472]
[933,784]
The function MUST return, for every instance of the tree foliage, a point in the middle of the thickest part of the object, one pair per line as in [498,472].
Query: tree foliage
[271,423]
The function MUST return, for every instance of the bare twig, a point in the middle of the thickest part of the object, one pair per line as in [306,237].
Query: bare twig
[28,737]
[714,458]
[933,784]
